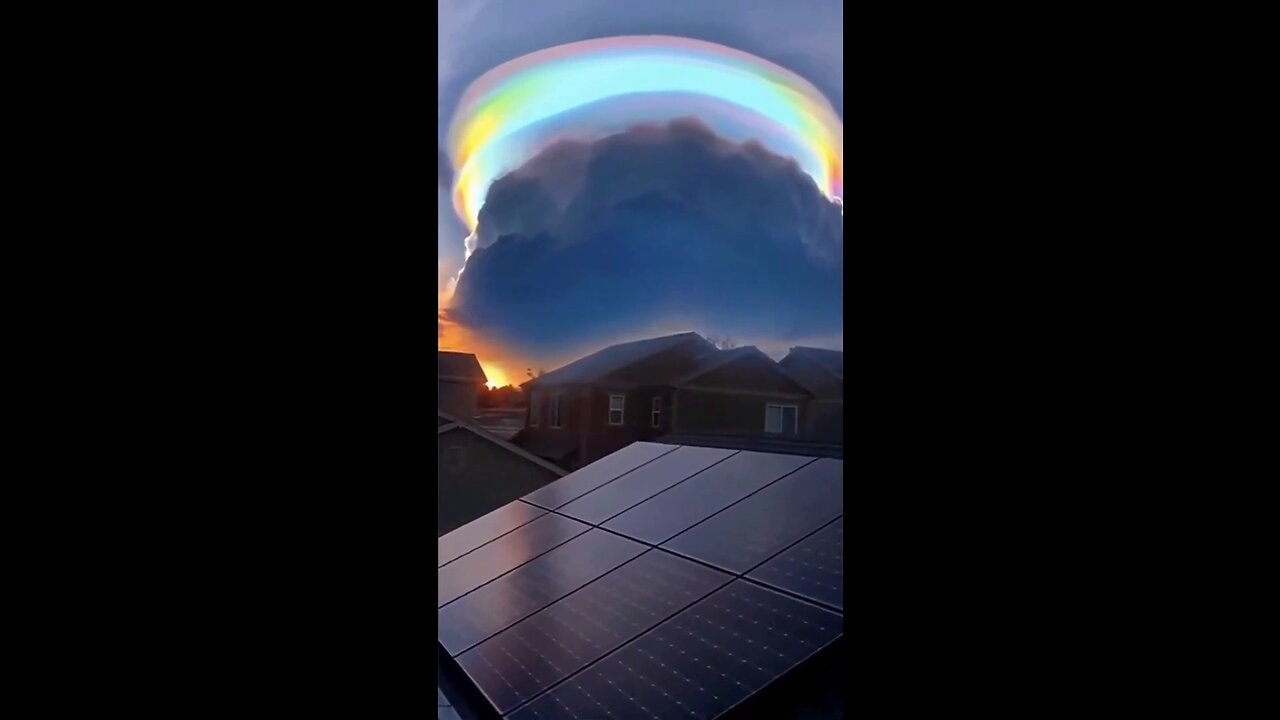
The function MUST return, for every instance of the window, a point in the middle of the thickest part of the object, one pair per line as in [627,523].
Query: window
[535,410]
[555,410]
[616,405]
[781,419]
[657,412]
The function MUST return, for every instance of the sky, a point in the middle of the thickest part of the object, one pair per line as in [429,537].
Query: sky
[595,240]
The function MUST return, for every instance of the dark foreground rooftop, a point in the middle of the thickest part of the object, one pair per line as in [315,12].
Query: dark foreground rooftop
[678,580]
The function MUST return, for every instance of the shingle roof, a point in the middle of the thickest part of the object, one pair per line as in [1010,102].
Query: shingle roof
[711,361]
[459,366]
[831,360]
[456,424]
[615,357]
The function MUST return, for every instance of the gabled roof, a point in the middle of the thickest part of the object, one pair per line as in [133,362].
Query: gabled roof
[460,366]
[830,360]
[720,358]
[598,365]
[456,424]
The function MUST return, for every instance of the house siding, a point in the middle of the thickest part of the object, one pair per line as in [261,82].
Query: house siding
[814,376]
[826,421]
[490,477]
[718,412]
[826,416]
[458,398]
[600,438]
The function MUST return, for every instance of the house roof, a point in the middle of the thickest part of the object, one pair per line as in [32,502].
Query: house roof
[599,364]
[557,446]
[711,361]
[456,424]
[759,442]
[830,360]
[720,358]
[459,366]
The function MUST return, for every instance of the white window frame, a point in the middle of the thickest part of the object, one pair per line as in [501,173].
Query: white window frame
[622,410]
[555,411]
[655,413]
[795,430]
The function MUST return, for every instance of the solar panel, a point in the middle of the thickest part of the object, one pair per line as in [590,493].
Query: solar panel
[699,663]
[674,510]
[530,587]
[814,568]
[586,479]
[483,529]
[643,483]
[506,553]
[752,531]
[517,664]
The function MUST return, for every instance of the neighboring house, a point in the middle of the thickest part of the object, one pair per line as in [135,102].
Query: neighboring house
[759,442]
[650,388]
[480,472]
[822,372]
[460,378]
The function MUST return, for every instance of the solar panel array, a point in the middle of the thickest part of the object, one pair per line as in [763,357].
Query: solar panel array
[661,581]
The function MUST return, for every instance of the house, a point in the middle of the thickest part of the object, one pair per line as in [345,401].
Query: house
[822,373]
[646,389]
[744,547]
[760,442]
[479,472]
[460,378]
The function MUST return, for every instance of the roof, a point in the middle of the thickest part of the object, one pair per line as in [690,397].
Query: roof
[759,442]
[456,424]
[557,446]
[459,366]
[720,358]
[599,364]
[711,361]
[830,360]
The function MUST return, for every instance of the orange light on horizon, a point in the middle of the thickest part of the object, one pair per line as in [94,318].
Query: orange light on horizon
[497,377]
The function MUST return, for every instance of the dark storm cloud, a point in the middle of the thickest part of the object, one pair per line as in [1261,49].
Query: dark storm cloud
[654,224]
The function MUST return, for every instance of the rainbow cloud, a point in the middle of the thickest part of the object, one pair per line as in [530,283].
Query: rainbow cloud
[600,87]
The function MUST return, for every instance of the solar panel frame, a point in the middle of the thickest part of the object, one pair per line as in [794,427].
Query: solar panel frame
[643,483]
[813,568]
[485,529]
[601,472]
[516,665]
[505,601]
[651,651]
[503,555]
[724,518]
[697,498]
[778,515]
